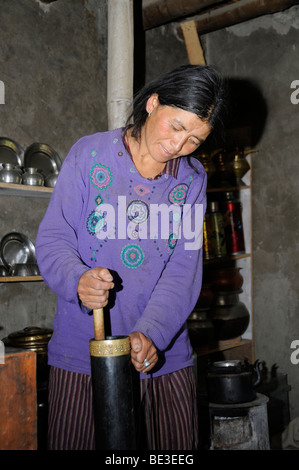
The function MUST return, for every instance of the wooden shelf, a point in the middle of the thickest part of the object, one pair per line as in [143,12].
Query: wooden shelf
[12,189]
[227,188]
[224,259]
[222,346]
[20,278]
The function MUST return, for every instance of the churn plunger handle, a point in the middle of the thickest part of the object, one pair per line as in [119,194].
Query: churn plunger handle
[99,327]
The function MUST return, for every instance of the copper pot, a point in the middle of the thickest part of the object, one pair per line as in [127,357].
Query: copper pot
[206,297]
[226,279]
[230,321]
[207,163]
[224,299]
[200,328]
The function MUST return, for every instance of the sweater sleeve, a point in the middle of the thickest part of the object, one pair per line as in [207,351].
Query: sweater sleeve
[56,243]
[178,288]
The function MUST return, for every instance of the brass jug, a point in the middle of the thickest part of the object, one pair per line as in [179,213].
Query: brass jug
[223,168]
[240,165]
[208,164]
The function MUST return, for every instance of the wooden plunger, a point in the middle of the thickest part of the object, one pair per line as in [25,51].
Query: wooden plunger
[99,326]
[113,401]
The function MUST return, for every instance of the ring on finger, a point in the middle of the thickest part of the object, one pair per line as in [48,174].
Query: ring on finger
[146,363]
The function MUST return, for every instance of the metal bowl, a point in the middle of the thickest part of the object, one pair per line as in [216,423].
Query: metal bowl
[3,271]
[32,177]
[11,151]
[42,156]
[51,179]
[9,174]
[16,248]
[24,270]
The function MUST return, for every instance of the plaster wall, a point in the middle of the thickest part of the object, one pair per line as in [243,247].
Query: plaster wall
[54,68]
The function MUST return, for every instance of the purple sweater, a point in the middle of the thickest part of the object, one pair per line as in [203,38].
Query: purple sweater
[104,213]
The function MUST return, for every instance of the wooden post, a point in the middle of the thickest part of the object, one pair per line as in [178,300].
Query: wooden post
[192,42]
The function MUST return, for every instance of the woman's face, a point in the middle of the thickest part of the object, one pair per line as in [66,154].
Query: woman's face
[171,132]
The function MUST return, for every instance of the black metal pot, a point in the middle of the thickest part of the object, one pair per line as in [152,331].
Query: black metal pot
[230,382]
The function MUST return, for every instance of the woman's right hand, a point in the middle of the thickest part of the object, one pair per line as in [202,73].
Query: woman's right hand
[93,287]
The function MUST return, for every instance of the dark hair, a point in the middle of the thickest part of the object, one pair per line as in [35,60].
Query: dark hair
[195,88]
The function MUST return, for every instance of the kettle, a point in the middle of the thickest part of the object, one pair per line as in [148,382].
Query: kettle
[231,382]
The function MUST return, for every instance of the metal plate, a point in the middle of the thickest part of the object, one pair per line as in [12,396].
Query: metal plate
[10,152]
[43,157]
[16,248]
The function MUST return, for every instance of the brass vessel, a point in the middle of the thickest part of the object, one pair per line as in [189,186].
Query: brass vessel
[223,168]
[208,164]
[240,165]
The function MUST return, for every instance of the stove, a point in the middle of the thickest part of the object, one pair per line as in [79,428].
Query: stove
[241,426]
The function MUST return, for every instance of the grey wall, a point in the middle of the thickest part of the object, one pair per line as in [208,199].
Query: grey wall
[263,56]
[53,65]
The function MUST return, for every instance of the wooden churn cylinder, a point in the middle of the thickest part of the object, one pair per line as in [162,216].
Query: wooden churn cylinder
[112,385]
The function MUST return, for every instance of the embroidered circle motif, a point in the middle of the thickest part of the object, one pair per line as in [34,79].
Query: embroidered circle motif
[93,153]
[137,211]
[100,176]
[132,256]
[178,194]
[95,222]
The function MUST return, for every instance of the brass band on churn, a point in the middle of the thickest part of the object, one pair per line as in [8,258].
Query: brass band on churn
[117,346]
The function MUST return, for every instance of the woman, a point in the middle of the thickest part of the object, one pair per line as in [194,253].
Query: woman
[107,241]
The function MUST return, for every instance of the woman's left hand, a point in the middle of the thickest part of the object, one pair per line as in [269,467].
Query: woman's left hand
[142,348]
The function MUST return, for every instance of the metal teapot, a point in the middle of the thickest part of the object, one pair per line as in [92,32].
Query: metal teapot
[231,382]
[10,174]
[32,177]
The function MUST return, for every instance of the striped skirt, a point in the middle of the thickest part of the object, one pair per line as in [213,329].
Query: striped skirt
[168,411]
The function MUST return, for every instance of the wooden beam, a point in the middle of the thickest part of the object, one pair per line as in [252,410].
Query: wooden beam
[211,14]
[158,12]
[192,43]
[236,12]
